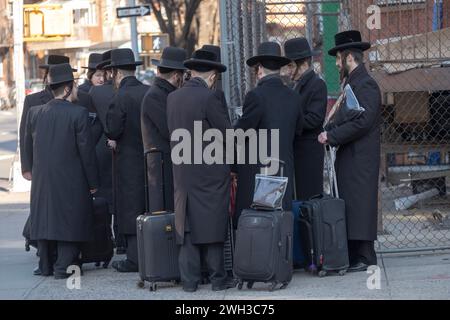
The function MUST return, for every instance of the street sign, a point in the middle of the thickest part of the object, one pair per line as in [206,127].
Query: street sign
[137,11]
[154,43]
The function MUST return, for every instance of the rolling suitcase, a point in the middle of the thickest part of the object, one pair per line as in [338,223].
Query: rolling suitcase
[101,248]
[263,251]
[156,239]
[323,230]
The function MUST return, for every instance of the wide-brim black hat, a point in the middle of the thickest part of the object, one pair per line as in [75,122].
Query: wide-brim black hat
[54,59]
[122,58]
[203,61]
[60,73]
[298,49]
[106,60]
[214,49]
[348,40]
[94,60]
[269,51]
[172,58]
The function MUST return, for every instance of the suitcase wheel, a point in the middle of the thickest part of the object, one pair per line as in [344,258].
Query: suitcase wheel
[240,285]
[250,284]
[322,273]
[140,284]
[273,286]
[106,264]
[284,286]
[342,272]
[97,264]
[153,287]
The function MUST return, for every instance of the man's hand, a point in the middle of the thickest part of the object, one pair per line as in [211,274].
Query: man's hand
[27,175]
[93,191]
[323,138]
[112,144]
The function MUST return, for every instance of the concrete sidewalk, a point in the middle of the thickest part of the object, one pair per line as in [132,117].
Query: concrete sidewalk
[402,276]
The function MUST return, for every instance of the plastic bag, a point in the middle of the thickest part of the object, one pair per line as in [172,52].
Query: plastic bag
[348,110]
[269,192]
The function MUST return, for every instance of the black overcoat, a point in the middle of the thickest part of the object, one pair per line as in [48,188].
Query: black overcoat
[123,124]
[59,152]
[155,135]
[358,158]
[271,105]
[308,152]
[201,191]
[101,98]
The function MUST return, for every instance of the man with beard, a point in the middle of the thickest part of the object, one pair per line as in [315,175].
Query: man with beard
[201,190]
[59,159]
[308,152]
[101,97]
[123,124]
[358,156]
[155,133]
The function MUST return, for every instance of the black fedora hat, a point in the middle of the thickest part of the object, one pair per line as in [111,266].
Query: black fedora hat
[297,49]
[122,58]
[348,40]
[94,60]
[53,59]
[60,73]
[203,61]
[269,51]
[171,58]
[106,60]
[214,49]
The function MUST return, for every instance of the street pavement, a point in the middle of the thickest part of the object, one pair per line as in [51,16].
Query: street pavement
[425,276]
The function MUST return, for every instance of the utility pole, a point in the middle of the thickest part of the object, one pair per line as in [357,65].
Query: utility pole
[134,33]
[19,183]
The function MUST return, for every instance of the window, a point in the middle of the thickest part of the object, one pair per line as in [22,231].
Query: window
[86,16]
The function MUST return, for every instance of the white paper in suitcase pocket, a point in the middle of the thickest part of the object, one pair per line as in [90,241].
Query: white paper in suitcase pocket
[269,192]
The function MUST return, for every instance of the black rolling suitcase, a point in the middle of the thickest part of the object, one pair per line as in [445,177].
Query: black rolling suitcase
[263,251]
[156,239]
[101,248]
[323,230]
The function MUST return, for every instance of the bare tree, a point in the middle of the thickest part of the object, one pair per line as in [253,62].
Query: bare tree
[179,19]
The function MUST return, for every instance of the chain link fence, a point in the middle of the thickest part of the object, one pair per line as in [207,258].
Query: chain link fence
[409,58]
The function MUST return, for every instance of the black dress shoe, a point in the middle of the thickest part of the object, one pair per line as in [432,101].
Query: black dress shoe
[37,271]
[190,287]
[228,284]
[358,267]
[61,276]
[125,266]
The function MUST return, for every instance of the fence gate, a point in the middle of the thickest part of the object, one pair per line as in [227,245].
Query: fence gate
[409,58]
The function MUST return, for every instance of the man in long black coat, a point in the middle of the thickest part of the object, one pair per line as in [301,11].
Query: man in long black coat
[101,97]
[123,124]
[308,152]
[358,157]
[59,159]
[155,133]
[201,190]
[271,105]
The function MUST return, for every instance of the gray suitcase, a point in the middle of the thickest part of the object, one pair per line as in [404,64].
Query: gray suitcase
[157,247]
[263,250]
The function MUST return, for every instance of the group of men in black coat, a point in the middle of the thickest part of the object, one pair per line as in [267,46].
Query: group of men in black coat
[134,120]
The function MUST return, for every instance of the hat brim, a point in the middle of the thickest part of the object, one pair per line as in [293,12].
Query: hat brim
[112,65]
[64,81]
[103,65]
[351,45]
[92,66]
[47,66]
[168,64]
[295,57]
[280,61]
[193,63]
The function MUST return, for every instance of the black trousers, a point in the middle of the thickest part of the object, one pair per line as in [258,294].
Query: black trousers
[362,251]
[57,256]
[132,249]
[190,262]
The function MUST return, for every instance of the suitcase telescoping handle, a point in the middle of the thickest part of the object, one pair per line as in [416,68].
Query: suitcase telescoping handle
[267,165]
[330,153]
[146,155]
